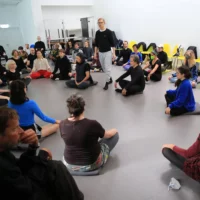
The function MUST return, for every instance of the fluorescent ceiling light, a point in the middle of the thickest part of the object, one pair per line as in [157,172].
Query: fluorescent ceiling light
[4,25]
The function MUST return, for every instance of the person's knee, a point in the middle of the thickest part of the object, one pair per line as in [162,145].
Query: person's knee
[194,84]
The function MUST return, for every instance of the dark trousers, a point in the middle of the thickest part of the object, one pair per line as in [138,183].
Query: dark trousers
[120,63]
[154,77]
[111,142]
[72,84]
[134,89]
[174,158]
[174,111]
[60,77]
[4,102]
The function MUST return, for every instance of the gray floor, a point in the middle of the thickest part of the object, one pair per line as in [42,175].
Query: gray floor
[136,169]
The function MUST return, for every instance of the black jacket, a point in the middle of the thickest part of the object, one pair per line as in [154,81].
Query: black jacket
[40,45]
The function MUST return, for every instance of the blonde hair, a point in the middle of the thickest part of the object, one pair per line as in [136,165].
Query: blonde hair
[102,19]
[8,63]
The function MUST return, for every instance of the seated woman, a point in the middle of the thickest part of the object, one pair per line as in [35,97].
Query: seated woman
[83,78]
[21,67]
[137,83]
[83,150]
[88,51]
[12,74]
[187,160]
[41,68]
[126,66]
[191,63]
[155,73]
[64,67]
[26,110]
[69,48]
[181,100]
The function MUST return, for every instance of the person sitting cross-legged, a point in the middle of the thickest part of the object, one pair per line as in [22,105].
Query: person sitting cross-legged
[137,83]
[83,78]
[31,176]
[54,54]
[64,66]
[31,57]
[83,150]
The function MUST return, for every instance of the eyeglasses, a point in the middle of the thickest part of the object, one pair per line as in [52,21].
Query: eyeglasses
[100,22]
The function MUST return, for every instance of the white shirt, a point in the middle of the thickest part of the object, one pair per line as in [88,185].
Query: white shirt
[41,64]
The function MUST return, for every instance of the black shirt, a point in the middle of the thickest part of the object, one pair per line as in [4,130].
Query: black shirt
[31,58]
[125,54]
[137,77]
[81,141]
[158,72]
[40,45]
[20,64]
[64,65]
[2,71]
[104,40]
[81,69]
[163,57]
[88,52]
[2,50]
[12,76]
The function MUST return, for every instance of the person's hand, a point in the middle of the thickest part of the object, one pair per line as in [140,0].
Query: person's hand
[1,81]
[148,77]
[77,83]
[4,73]
[28,77]
[29,69]
[4,54]
[115,63]
[70,74]
[49,153]
[169,146]
[42,49]
[29,137]
[167,111]
[95,56]
[49,69]
[115,84]
[169,78]
[10,82]
[113,57]
[92,57]
[124,65]
[124,92]
[58,121]
[51,76]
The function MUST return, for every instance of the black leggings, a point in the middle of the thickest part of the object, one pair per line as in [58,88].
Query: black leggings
[4,102]
[174,111]
[154,77]
[134,89]
[60,76]
[174,158]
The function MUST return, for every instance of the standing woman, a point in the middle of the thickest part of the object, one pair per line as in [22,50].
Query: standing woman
[181,100]
[155,73]
[69,48]
[26,110]
[21,67]
[104,42]
[41,68]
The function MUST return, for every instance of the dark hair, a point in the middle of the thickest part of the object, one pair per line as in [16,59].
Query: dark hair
[135,58]
[81,56]
[183,70]
[75,105]
[39,51]
[62,50]
[126,41]
[135,45]
[76,43]
[154,52]
[20,48]
[17,93]
[6,114]
[13,51]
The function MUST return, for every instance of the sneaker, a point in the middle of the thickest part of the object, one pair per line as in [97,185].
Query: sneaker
[111,81]
[118,90]
[106,86]
[57,79]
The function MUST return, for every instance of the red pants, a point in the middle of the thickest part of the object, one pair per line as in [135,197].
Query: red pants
[38,74]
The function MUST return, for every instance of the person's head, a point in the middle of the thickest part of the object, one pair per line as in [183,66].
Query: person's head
[38,38]
[27,46]
[39,54]
[76,105]
[125,44]
[76,45]
[135,48]
[57,46]
[20,48]
[189,55]
[10,131]
[101,22]
[134,60]
[61,53]
[18,92]
[86,44]
[11,65]
[183,72]
[154,54]
[15,53]
[69,44]
[32,51]
[80,58]
[160,48]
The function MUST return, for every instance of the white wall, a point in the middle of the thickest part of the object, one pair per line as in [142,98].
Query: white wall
[160,21]
[54,15]
[66,2]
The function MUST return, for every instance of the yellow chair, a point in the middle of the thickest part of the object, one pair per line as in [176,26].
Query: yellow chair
[141,49]
[130,44]
[198,60]
[167,49]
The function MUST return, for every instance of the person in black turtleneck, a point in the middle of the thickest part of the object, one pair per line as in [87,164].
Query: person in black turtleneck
[137,83]
[39,45]
[125,54]
[64,65]
[162,56]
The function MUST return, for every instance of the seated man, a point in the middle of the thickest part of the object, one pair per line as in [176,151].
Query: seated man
[64,67]
[126,66]
[137,83]
[3,54]
[76,51]
[124,54]
[31,57]
[30,177]
[162,56]
[54,53]
[83,79]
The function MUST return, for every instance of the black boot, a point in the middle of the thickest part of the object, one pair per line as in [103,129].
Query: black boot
[106,86]
[111,81]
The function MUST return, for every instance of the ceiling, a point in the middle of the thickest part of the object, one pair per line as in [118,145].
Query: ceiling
[9,2]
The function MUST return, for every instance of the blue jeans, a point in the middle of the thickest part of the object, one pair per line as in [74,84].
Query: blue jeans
[72,84]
